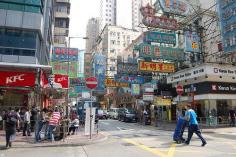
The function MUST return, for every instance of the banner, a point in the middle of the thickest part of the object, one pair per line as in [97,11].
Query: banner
[176,7]
[112,83]
[88,65]
[100,70]
[159,101]
[158,52]
[61,68]
[61,54]
[156,67]
[129,79]
[17,79]
[226,10]
[192,41]
[57,81]
[159,37]
[135,89]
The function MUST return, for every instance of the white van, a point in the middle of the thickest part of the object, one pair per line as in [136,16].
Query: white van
[113,113]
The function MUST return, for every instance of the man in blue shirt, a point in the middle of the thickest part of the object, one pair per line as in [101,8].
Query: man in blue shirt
[191,117]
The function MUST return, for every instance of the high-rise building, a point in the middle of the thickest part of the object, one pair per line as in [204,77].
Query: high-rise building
[114,40]
[108,12]
[62,20]
[136,15]
[92,33]
[26,38]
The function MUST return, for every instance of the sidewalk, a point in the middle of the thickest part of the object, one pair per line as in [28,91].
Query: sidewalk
[78,139]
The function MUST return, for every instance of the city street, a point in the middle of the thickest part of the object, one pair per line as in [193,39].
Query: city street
[134,140]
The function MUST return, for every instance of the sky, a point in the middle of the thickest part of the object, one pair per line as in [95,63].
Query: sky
[83,10]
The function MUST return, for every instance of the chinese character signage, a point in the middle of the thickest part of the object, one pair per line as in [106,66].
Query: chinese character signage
[226,9]
[61,68]
[88,64]
[159,101]
[61,54]
[160,22]
[135,89]
[176,7]
[129,79]
[192,42]
[77,82]
[159,37]
[112,83]
[127,68]
[156,67]
[100,70]
[159,52]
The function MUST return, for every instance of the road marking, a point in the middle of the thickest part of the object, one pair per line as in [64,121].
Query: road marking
[105,123]
[154,151]
[124,129]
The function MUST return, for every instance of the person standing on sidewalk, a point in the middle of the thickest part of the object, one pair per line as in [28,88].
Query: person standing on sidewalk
[26,122]
[53,122]
[42,116]
[232,117]
[191,117]
[11,120]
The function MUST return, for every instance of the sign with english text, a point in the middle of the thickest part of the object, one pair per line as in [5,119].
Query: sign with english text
[129,79]
[17,79]
[159,37]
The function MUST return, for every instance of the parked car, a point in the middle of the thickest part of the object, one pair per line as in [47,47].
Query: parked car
[102,114]
[113,113]
[126,115]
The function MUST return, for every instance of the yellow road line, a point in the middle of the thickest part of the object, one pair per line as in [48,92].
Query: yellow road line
[154,151]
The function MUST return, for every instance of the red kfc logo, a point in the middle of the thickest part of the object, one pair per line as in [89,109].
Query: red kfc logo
[13,79]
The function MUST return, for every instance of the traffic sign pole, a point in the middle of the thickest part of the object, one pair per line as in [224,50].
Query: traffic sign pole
[91,116]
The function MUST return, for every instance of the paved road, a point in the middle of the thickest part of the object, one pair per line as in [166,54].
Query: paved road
[133,140]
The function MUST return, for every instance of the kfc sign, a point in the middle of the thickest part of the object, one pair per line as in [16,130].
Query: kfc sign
[17,79]
[57,81]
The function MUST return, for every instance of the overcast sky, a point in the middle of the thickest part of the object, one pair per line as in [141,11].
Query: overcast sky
[83,10]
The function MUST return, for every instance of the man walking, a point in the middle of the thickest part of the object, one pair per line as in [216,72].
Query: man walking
[232,117]
[191,117]
[53,122]
[26,122]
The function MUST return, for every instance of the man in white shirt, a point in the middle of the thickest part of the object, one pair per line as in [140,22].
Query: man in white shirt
[26,122]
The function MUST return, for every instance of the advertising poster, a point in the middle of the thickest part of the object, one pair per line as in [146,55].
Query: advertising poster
[100,71]
[57,81]
[62,67]
[226,10]
[61,54]
[192,41]
[135,89]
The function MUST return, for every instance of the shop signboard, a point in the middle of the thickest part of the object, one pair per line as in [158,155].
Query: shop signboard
[100,71]
[192,41]
[109,82]
[159,37]
[159,52]
[156,67]
[77,82]
[226,10]
[211,87]
[61,54]
[62,68]
[88,64]
[17,79]
[57,81]
[176,7]
[135,89]
[129,79]
[160,22]
[127,68]
[203,70]
[159,101]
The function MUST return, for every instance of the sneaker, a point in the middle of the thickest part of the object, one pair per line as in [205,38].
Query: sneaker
[203,144]
[187,143]
[10,144]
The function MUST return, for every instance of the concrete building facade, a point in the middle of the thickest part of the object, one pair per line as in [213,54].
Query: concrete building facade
[108,12]
[92,32]
[62,20]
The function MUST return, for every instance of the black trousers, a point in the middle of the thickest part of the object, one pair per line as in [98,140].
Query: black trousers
[194,129]
[8,135]
[26,129]
[232,122]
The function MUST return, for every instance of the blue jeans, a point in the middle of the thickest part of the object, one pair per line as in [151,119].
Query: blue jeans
[194,129]
[39,127]
[50,129]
